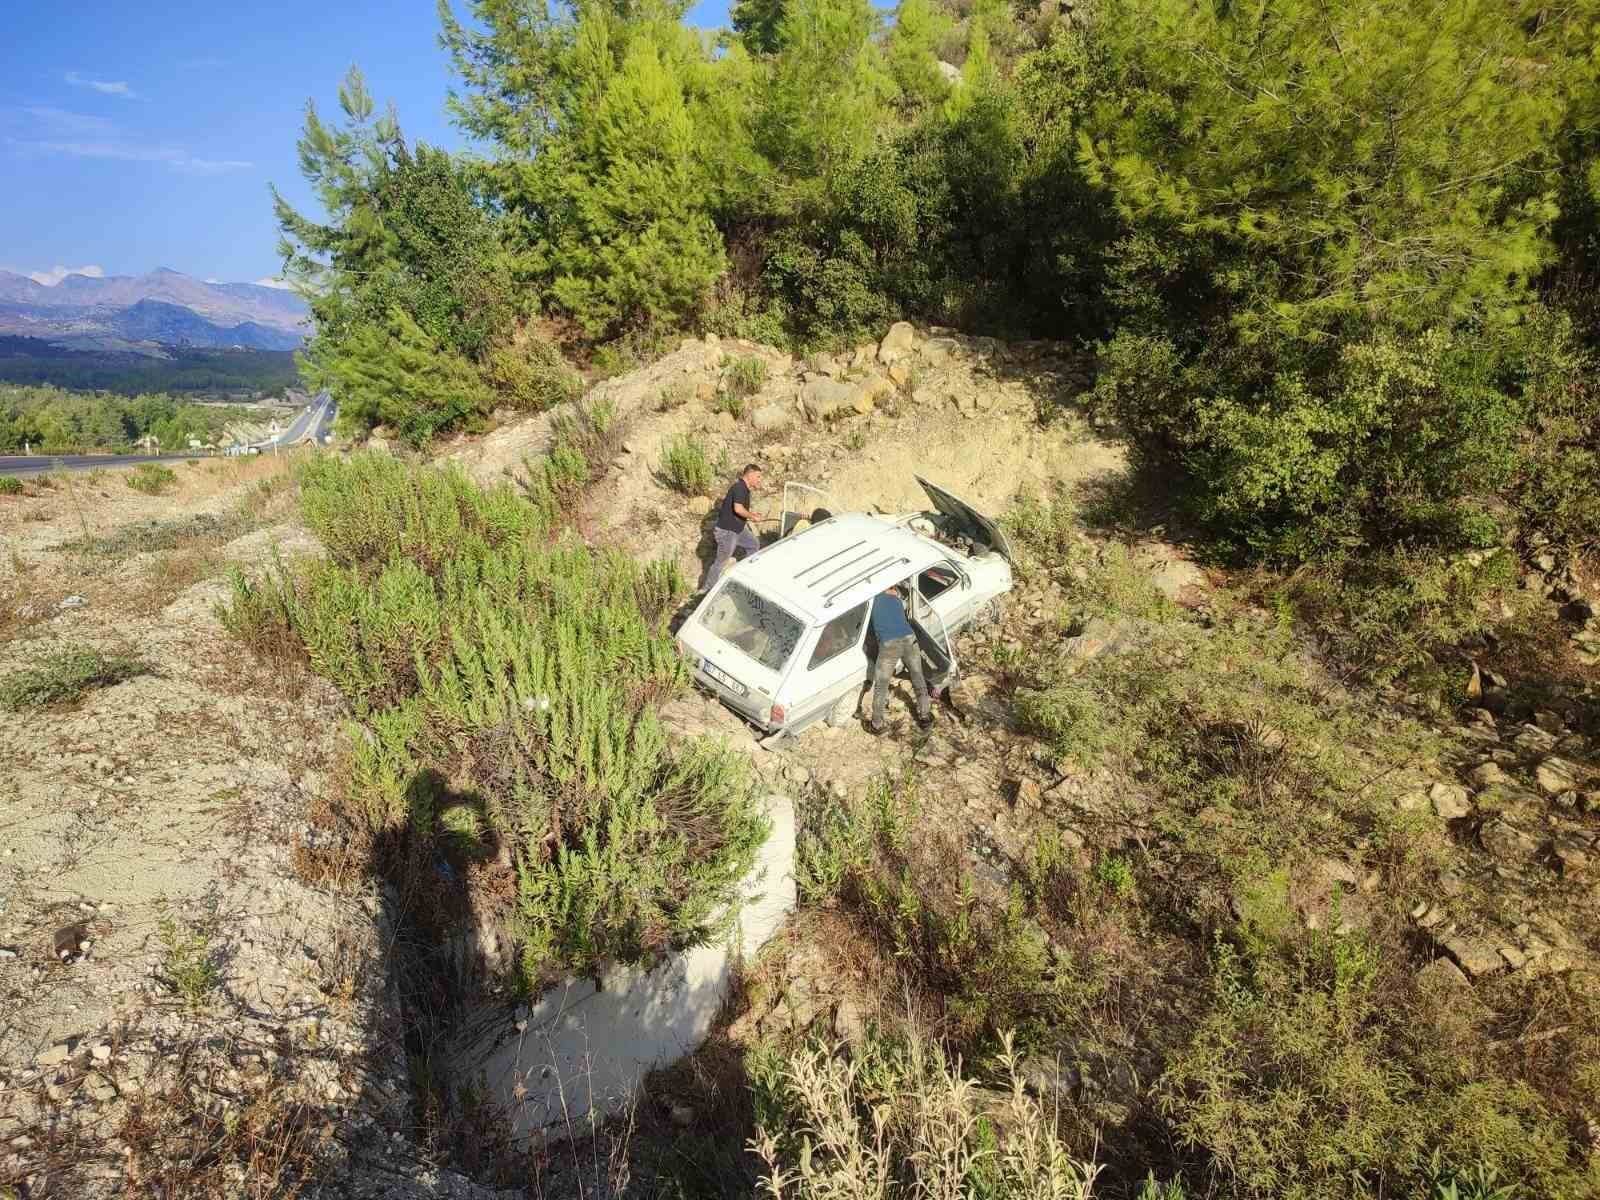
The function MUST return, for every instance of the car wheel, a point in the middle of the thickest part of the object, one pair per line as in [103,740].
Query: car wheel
[844,709]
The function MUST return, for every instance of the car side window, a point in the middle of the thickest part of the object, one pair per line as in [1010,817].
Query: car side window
[937,580]
[838,635]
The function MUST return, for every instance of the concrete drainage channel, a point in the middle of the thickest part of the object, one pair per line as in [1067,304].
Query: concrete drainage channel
[585,1047]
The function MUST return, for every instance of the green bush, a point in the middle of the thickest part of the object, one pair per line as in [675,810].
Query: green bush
[687,467]
[744,376]
[64,675]
[891,869]
[10,485]
[262,612]
[1397,440]
[1299,1080]
[526,671]
[532,376]
[731,403]
[151,478]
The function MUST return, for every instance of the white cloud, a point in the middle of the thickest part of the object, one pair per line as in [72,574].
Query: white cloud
[104,86]
[212,279]
[62,123]
[275,281]
[179,160]
[56,274]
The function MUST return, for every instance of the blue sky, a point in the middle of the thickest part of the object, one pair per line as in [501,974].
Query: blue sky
[135,136]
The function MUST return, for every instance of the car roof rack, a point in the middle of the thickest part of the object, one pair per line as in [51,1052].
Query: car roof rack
[862,577]
[804,571]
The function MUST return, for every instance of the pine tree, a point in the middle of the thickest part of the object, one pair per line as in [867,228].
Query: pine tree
[1325,160]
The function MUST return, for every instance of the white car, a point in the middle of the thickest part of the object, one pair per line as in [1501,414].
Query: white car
[782,637]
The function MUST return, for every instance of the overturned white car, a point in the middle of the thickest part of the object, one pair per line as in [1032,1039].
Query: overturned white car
[782,638]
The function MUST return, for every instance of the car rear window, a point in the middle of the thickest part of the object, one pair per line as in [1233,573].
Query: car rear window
[761,628]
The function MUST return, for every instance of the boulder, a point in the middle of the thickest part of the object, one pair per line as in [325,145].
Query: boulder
[1473,955]
[1180,581]
[1489,774]
[771,417]
[1556,775]
[699,505]
[899,342]
[899,374]
[924,395]
[1450,800]
[821,398]
[873,389]
[937,351]
[1506,843]
[1573,854]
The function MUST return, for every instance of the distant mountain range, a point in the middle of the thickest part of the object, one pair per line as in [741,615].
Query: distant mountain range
[165,308]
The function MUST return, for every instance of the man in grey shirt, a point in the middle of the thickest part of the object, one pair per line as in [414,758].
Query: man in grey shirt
[897,643]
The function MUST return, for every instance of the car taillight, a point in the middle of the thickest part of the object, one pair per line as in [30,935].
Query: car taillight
[775,717]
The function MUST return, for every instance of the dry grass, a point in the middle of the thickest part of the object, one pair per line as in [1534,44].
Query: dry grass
[210,1121]
[902,1122]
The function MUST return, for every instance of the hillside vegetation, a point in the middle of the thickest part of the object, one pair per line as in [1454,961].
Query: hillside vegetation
[1326,268]
[53,420]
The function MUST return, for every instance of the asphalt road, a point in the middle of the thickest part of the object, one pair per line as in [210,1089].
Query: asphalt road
[311,422]
[308,422]
[38,464]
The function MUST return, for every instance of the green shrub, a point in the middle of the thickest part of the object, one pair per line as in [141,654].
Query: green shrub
[744,376]
[187,963]
[1291,454]
[1115,874]
[1302,1078]
[151,478]
[10,485]
[64,675]
[892,870]
[263,612]
[731,403]
[591,428]
[532,376]
[526,671]
[687,466]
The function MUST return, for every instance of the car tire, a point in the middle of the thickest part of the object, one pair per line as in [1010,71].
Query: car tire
[844,709]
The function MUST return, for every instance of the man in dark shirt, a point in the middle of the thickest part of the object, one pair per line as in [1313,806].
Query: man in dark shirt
[731,531]
[897,643]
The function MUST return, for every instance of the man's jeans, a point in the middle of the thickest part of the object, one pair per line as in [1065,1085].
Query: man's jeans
[727,542]
[890,654]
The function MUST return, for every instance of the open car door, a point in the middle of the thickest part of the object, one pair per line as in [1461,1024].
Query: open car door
[801,505]
[938,651]
[971,522]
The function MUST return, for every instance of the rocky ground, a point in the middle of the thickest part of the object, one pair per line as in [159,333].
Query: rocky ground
[161,964]
[153,826]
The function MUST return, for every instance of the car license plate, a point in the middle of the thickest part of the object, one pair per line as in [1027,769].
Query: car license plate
[726,680]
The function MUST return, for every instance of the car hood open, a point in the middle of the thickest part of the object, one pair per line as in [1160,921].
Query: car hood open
[977,526]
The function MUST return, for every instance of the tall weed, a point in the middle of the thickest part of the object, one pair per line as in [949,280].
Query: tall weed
[524,669]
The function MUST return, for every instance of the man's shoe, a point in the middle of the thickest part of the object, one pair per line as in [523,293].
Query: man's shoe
[876,730]
[924,720]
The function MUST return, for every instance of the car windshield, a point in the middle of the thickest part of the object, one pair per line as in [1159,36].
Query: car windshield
[757,626]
